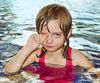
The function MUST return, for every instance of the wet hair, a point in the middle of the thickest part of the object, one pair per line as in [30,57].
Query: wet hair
[55,12]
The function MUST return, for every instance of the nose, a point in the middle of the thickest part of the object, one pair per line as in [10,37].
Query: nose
[49,39]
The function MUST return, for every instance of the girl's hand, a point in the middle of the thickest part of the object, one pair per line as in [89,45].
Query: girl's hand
[35,41]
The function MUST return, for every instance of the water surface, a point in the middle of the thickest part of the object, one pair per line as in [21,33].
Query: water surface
[17,23]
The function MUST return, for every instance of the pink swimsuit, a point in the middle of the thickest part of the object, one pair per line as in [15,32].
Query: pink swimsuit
[55,75]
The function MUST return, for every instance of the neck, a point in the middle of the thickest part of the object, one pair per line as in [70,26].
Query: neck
[55,53]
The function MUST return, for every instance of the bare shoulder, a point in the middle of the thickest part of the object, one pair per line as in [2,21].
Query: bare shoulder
[80,59]
[77,54]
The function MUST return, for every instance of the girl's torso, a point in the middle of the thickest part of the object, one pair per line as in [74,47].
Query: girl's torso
[52,74]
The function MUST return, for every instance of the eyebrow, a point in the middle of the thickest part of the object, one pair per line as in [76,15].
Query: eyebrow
[58,32]
[53,32]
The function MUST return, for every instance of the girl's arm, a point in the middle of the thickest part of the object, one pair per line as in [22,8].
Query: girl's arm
[16,63]
[25,56]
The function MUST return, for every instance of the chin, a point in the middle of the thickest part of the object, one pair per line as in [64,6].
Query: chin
[50,49]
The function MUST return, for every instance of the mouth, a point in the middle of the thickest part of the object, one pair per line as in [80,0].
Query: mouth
[49,46]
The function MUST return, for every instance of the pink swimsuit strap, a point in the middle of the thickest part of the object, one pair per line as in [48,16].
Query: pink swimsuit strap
[69,62]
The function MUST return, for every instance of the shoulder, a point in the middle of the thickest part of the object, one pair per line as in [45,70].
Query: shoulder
[80,59]
[76,52]
[78,55]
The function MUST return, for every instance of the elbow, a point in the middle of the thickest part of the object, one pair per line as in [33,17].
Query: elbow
[9,71]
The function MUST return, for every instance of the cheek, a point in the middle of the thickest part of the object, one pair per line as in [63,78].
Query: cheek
[60,42]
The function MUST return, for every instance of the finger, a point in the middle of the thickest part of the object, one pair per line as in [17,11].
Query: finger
[35,37]
[42,38]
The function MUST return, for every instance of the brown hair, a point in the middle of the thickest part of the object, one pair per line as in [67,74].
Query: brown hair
[54,12]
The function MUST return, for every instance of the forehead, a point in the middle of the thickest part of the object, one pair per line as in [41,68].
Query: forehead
[52,26]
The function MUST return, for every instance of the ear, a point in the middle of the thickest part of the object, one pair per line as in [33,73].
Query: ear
[69,34]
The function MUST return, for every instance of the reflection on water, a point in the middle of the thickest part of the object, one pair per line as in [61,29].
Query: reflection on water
[17,22]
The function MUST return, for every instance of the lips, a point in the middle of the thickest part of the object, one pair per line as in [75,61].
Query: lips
[49,46]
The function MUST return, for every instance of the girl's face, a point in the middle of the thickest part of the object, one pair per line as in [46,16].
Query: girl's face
[55,37]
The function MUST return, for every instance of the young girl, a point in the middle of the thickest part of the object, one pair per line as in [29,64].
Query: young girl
[50,48]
